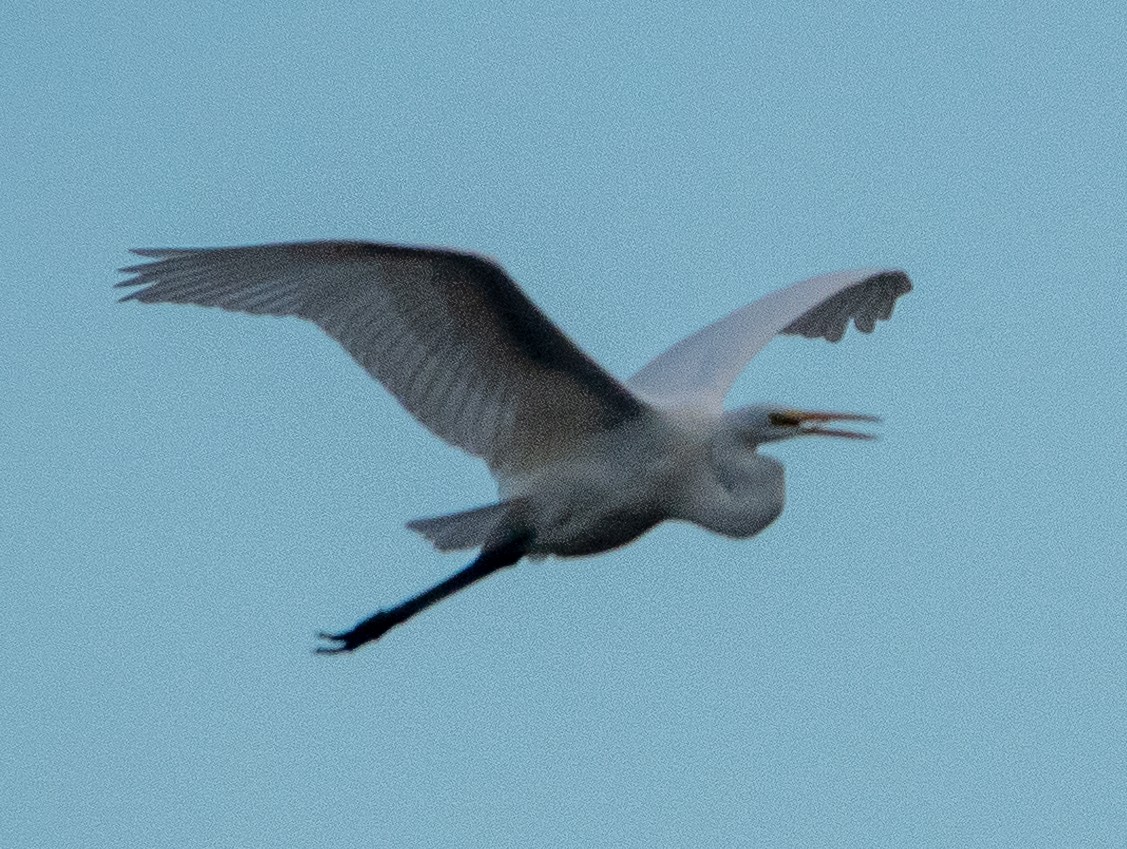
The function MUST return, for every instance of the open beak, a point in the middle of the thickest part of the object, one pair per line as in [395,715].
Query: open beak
[814,423]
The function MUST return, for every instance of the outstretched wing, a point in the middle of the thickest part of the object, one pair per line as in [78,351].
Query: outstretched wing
[701,368]
[450,334]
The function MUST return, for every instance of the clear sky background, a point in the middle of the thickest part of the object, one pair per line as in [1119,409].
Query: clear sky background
[927,649]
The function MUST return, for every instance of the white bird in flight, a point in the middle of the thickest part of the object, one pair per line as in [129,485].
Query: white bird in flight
[584,462]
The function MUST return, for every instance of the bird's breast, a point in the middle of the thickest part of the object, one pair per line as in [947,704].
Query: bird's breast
[737,499]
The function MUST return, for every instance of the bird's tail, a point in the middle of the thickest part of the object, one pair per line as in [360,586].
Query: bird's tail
[468,529]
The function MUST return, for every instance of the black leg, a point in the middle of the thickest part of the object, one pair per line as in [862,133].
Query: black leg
[375,626]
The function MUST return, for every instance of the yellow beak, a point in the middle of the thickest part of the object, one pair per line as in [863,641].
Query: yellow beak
[812,422]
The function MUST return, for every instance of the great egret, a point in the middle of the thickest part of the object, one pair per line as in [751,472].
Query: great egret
[584,463]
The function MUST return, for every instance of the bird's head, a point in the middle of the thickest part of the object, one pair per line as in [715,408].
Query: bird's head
[761,423]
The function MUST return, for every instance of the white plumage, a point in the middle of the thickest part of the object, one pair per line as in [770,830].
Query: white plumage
[584,462]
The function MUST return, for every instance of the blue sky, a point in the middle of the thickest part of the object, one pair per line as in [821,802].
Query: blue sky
[927,649]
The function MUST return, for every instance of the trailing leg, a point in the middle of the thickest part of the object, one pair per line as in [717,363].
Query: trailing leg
[375,626]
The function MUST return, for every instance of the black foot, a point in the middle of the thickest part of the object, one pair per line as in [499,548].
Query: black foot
[370,629]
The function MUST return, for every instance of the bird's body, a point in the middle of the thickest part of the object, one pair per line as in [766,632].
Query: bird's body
[584,463]
[671,464]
